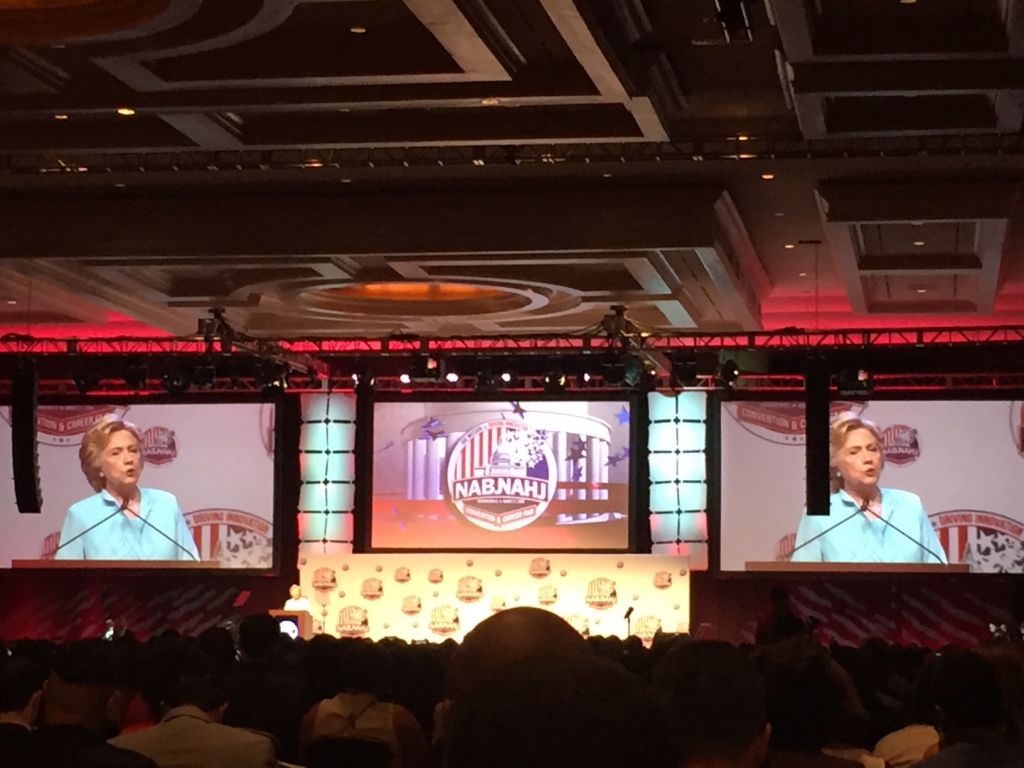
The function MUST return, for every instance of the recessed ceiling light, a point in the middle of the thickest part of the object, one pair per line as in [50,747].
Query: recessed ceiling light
[919,243]
[767,176]
[357,30]
[743,138]
[405,378]
[779,214]
[789,246]
[12,301]
[490,102]
[60,117]
[922,290]
[125,111]
[120,185]
[606,175]
[452,378]
[907,2]
[803,274]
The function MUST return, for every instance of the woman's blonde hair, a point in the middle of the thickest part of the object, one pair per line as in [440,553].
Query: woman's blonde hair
[95,441]
[840,428]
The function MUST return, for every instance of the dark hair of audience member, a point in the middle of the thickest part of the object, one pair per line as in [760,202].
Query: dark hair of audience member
[363,667]
[259,636]
[805,700]
[715,700]
[563,711]
[218,645]
[1007,660]
[178,674]
[20,680]
[963,693]
[81,686]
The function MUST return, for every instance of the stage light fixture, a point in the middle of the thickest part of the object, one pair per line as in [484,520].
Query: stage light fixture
[506,377]
[554,378]
[177,381]
[85,381]
[485,378]
[854,382]
[405,378]
[635,370]
[728,373]
[452,377]
[684,373]
[204,376]
[613,371]
[426,368]
[135,376]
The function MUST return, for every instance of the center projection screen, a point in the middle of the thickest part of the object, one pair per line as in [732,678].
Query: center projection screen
[474,475]
[206,473]
[958,464]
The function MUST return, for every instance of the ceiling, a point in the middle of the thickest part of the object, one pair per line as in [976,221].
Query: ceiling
[496,167]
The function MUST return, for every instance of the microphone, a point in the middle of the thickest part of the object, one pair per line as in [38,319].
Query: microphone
[860,510]
[629,612]
[92,527]
[900,531]
[173,541]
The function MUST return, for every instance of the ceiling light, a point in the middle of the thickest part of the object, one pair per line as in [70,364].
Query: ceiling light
[606,175]
[922,290]
[506,377]
[789,246]
[907,2]
[803,274]
[490,102]
[60,117]
[586,376]
[12,301]
[743,138]
[120,185]
[125,111]
[357,30]
[452,378]
[405,378]
[919,243]
[767,176]
[779,214]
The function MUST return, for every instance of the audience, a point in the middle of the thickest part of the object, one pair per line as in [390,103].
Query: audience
[523,689]
[181,685]
[715,701]
[560,711]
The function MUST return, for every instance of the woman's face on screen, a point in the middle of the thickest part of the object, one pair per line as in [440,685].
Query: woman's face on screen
[121,460]
[860,459]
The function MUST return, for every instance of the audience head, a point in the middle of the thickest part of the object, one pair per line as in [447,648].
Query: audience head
[561,711]
[780,598]
[21,691]
[82,688]
[962,691]
[805,699]
[179,674]
[1007,660]
[363,667]
[218,644]
[505,638]
[259,636]
[715,700]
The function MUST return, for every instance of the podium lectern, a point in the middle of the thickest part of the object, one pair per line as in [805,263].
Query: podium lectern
[294,623]
[785,566]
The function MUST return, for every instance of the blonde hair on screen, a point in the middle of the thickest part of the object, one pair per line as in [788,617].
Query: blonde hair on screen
[95,441]
[840,428]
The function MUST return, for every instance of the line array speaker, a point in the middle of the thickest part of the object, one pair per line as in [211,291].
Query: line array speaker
[24,447]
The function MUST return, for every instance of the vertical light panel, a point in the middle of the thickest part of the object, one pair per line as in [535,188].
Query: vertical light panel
[677,446]
[328,469]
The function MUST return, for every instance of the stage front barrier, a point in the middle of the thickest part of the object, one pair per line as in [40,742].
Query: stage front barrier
[421,596]
[782,566]
[129,565]
[295,624]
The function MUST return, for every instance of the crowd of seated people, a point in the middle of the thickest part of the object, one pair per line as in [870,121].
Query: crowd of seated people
[523,689]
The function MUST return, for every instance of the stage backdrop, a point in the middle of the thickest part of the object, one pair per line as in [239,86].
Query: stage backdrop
[963,458]
[439,596]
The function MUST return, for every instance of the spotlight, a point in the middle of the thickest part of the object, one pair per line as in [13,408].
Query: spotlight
[452,378]
[554,378]
[506,377]
[425,368]
[204,375]
[684,373]
[135,376]
[85,381]
[177,381]
[854,382]
[613,371]
[728,373]
[485,379]
[405,378]
[271,376]
[635,370]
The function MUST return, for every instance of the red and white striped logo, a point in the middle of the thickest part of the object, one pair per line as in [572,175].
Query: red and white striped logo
[502,475]
[233,538]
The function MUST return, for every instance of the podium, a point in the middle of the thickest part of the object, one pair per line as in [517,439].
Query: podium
[123,565]
[294,623]
[785,566]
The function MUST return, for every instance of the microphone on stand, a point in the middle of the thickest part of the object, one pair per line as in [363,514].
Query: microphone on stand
[173,541]
[629,612]
[92,527]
